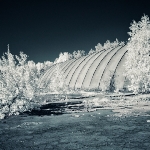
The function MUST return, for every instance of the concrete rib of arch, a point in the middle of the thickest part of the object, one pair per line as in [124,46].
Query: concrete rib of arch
[91,71]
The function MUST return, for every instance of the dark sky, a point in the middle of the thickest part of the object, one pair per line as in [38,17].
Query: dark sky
[44,28]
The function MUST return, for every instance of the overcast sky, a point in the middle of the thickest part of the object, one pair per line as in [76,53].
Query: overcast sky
[44,28]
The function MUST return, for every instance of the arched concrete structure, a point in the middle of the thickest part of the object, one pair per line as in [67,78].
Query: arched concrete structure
[93,71]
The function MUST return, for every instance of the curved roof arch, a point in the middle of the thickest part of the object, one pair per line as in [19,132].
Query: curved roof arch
[93,71]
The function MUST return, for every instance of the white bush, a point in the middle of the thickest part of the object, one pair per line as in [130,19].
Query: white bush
[19,79]
[78,54]
[58,82]
[99,47]
[137,65]
[107,45]
[63,57]
[91,51]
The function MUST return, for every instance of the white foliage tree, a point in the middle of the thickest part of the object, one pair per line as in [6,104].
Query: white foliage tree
[58,83]
[63,57]
[107,45]
[122,43]
[98,47]
[78,54]
[19,84]
[41,68]
[47,64]
[137,65]
[116,43]
[91,52]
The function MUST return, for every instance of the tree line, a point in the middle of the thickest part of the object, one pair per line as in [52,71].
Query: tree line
[19,77]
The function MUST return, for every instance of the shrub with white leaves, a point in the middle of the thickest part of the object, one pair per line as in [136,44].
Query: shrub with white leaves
[137,65]
[19,78]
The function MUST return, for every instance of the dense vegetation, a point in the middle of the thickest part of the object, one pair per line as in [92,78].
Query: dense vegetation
[138,57]
[19,78]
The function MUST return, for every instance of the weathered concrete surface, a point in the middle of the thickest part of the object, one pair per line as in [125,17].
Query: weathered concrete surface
[85,131]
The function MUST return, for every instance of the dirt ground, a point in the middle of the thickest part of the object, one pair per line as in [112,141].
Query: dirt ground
[98,130]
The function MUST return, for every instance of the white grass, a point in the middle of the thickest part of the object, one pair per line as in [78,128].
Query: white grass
[123,107]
